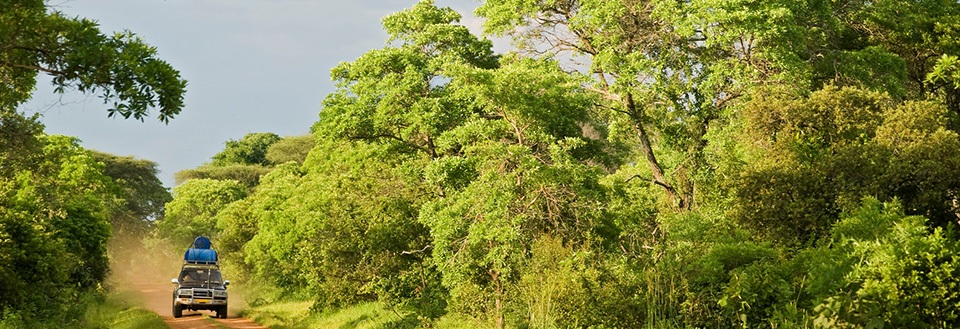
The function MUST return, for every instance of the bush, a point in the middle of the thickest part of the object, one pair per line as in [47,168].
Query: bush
[907,277]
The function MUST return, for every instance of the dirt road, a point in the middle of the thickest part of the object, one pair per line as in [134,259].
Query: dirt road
[157,297]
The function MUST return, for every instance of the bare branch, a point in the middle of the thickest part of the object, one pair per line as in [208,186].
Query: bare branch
[411,252]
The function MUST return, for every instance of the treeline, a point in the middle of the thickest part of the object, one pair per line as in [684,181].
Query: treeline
[702,164]
[65,213]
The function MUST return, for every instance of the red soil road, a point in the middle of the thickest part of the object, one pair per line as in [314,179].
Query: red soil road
[158,298]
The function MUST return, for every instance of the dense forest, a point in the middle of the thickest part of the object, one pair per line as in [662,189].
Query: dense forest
[655,164]
[632,164]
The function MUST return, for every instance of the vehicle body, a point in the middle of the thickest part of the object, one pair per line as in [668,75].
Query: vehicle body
[200,285]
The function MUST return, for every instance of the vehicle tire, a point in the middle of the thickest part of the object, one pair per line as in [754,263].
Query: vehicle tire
[177,310]
[222,312]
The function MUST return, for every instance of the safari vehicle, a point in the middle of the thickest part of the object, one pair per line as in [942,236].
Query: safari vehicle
[200,285]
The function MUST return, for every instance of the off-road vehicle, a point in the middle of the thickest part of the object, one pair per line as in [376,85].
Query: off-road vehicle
[200,285]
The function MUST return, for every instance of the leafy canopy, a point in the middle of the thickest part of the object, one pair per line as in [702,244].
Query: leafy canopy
[121,68]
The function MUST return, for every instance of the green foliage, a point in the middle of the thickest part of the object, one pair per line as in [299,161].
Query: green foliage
[565,288]
[18,140]
[904,276]
[77,55]
[248,159]
[708,169]
[239,222]
[144,197]
[193,209]
[144,194]
[250,150]
[657,87]
[247,175]
[360,226]
[54,227]
[400,94]
[297,315]
[818,155]
[57,200]
[114,312]
[291,148]
[877,268]
[95,309]
[947,71]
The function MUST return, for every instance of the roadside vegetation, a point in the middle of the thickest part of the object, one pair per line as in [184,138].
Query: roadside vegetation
[116,311]
[651,164]
[60,204]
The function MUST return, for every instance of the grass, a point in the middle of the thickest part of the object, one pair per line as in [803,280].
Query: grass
[280,314]
[115,312]
[297,315]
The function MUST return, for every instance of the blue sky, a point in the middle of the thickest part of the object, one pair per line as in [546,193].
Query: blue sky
[251,66]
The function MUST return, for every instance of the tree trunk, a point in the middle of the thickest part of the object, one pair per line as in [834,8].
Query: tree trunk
[655,168]
[498,300]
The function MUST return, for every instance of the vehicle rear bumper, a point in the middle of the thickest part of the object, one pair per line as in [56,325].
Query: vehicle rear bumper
[201,303]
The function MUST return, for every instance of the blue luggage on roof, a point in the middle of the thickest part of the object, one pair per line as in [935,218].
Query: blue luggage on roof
[201,253]
[200,256]
[201,242]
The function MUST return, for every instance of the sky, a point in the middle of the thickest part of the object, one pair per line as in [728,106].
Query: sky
[250,65]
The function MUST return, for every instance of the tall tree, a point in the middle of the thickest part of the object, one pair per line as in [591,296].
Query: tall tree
[499,142]
[194,207]
[144,193]
[54,226]
[144,197]
[660,83]
[398,94]
[243,160]
[375,135]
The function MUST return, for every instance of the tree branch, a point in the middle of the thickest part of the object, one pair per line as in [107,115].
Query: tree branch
[34,67]
[411,252]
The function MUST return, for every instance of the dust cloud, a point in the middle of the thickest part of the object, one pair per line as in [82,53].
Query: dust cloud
[141,270]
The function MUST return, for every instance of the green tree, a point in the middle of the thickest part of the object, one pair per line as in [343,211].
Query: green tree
[500,141]
[361,190]
[77,55]
[518,173]
[816,156]
[144,193]
[19,141]
[239,222]
[55,226]
[144,197]
[340,231]
[291,148]
[193,209]
[243,160]
[248,175]
[920,33]
[249,150]
[660,89]
[397,94]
